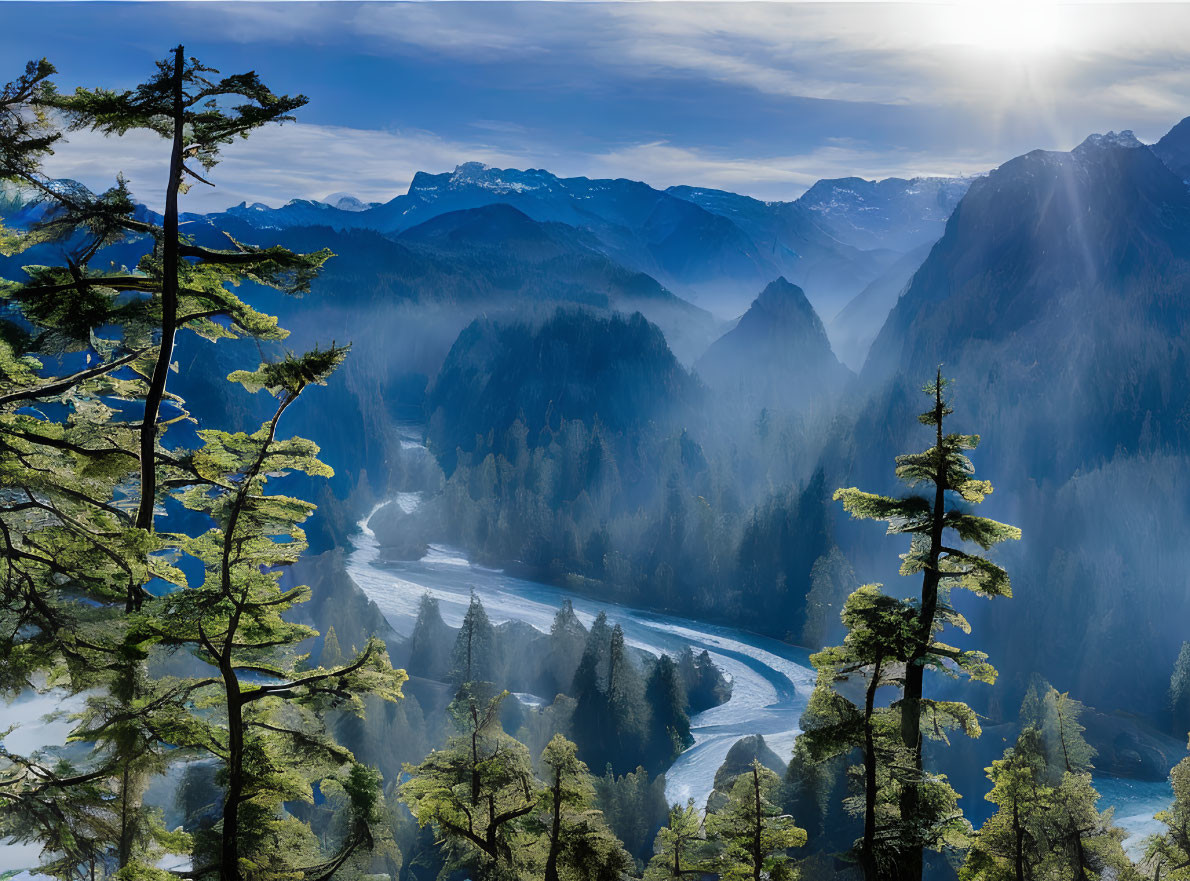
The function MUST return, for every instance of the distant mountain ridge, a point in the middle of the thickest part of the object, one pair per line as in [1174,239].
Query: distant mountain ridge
[710,246]
[892,213]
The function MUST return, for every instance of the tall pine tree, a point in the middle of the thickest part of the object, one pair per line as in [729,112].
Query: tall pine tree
[947,473]
[92,439]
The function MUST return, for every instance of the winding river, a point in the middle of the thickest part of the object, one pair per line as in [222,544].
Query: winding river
[771,680]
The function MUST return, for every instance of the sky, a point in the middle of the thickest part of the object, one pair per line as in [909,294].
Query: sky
[758,98]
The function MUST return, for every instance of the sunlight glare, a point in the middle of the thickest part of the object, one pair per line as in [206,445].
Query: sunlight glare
[1010,27]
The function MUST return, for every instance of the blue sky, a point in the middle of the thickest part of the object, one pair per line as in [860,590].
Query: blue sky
[761,98]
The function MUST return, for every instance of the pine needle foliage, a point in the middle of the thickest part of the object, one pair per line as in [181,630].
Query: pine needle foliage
[1047,825]
[1167,854]
[89,581]
[478,790]
[681,850]
[577,843]
[926,816]
[753,833]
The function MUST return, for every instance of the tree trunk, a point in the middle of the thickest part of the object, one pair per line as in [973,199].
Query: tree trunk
[911,864]
[128,744]
[868,848]
[169,317]
[1020,841]
[229,861]
[757,856]
[474,753]
[131,781]
[551,863]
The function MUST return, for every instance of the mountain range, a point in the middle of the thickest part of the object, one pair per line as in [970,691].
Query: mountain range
[1052,289]
[713,247]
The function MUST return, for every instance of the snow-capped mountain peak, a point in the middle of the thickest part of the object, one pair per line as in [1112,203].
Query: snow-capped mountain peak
[500,180]
[1125,139]
[346,202]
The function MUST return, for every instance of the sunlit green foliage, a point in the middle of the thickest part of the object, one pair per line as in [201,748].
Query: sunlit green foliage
[681,849]
[1047,825]
[752,831]
[1012,844]
[1167,855]
[92,586]
[905,634]
[477,790]
[576,840]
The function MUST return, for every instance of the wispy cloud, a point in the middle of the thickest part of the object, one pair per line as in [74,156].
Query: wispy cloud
[800,91]
[860,52]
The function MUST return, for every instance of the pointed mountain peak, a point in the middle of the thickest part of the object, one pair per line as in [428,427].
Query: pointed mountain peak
[1179,133]
[1174,149]
[778,355]
[783,301]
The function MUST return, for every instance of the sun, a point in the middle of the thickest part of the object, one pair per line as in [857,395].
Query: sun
[1011,27]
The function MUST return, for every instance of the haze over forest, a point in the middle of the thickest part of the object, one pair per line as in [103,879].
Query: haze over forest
[487,520]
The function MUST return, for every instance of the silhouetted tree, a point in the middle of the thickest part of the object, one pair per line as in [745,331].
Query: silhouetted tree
[669,726]
[473,658]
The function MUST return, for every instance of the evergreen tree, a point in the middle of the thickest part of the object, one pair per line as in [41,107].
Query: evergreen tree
[477,790]
[90,455]
[473,658]
[810,795]
[669,727]
[73,556]
[1167,854]
[331,654]
[1179,691]
[880,639]
[681,849]
[946,470]
[1013,844]
[567,640]
[704,682]
[752,831]
[1047,825]
[199,115]
[429,651]
[578,843]
[634,806]
[628,713]
[1085,842]
[589,689]
[1086,845]
[270,737]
